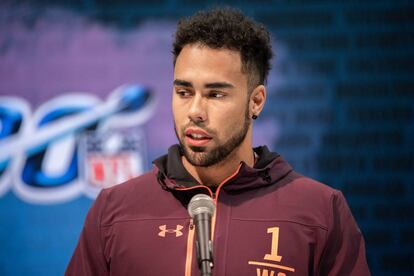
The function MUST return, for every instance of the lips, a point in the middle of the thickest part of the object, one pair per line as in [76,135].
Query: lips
[197,137]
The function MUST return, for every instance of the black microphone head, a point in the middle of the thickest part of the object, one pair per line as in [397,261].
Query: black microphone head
[201,203]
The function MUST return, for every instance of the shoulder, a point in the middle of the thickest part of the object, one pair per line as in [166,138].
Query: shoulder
[131,197]
[304,186]
[295,188]
[304,195]
[147,180]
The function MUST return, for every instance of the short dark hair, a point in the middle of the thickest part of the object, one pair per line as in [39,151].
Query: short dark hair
[230,29]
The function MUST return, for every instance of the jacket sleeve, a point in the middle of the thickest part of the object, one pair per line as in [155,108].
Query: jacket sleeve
[88,257]
[344,253]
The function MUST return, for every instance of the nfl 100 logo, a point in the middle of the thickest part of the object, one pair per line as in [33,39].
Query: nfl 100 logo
[73,144]
[111,158]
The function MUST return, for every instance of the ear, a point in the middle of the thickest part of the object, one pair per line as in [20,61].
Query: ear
[257,100]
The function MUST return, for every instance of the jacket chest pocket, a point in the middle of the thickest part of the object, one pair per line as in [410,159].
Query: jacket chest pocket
[147,247]
[278,248]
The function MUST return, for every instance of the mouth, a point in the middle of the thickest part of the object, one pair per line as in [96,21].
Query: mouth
[197,137]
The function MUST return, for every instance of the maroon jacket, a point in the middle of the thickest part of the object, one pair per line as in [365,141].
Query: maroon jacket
[270,221]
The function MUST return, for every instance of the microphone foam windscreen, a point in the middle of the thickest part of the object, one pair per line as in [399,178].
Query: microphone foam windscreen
[201,203]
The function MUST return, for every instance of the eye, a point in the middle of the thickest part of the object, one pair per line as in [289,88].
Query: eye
[183,93]
[216,94]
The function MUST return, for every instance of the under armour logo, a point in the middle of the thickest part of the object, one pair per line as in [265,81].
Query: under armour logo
[164,230]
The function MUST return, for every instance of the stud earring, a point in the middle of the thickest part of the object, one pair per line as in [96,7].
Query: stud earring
[254,117]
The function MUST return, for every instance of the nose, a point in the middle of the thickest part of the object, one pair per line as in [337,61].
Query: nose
[197,112]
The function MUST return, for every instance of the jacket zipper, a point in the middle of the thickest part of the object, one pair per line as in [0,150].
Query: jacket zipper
[190,238]
[215,198]
[190,245]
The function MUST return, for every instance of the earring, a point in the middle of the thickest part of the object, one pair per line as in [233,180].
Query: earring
[254,117]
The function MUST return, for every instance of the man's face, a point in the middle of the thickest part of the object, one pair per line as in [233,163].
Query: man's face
[210,103]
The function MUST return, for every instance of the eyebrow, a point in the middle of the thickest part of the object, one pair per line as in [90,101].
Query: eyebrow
[208,85]
[219,85]
[183,83]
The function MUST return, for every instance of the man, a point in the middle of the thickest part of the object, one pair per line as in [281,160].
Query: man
[269,219]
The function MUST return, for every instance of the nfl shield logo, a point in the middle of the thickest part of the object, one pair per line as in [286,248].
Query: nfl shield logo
[108,159]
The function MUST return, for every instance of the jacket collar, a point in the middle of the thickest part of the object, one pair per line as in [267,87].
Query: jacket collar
[269,168]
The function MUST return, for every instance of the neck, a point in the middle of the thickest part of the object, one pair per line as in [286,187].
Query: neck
[216,174]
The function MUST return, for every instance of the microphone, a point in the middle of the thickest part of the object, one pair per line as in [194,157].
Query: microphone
[201,209]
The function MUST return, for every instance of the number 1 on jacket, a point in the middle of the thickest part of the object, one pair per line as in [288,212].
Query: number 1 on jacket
[273,256]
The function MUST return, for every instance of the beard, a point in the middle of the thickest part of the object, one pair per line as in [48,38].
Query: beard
[200,157]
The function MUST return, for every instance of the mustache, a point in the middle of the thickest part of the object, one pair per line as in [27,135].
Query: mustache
[199,125]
